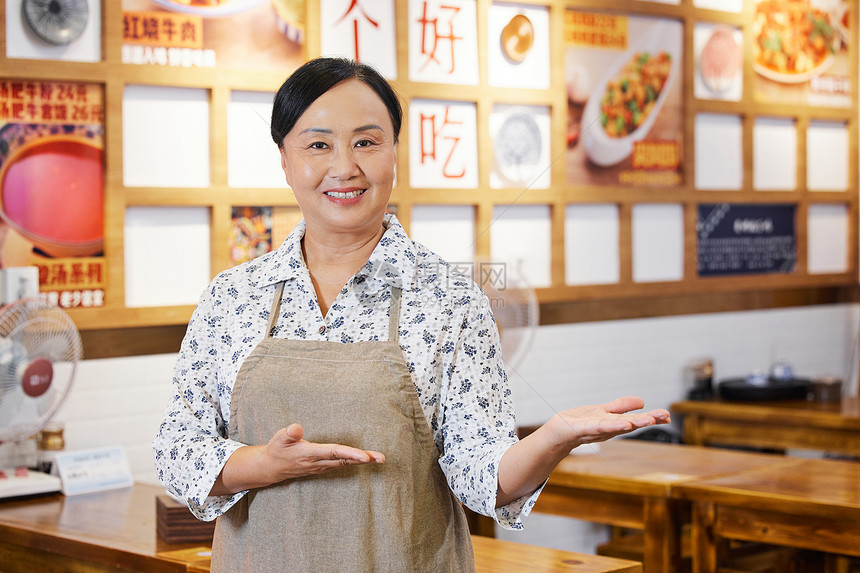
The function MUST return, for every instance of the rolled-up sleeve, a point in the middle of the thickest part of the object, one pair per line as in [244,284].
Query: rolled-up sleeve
[191,446]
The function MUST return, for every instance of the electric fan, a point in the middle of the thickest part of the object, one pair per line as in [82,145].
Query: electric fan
[57,22]
[514,304]
[39,351]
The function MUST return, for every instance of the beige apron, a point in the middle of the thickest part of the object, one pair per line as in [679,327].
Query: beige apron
[399,516]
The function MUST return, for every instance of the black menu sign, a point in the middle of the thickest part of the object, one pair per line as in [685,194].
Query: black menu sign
[745,239]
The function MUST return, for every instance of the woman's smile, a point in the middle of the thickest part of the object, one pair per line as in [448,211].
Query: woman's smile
[344,197]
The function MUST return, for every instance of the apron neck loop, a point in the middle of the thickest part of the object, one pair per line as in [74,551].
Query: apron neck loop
[276,308]
[394,315]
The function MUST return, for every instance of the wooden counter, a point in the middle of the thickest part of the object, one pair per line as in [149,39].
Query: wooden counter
[800,424]
[115,531]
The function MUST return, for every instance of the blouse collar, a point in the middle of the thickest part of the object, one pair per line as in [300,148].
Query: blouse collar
[393,260]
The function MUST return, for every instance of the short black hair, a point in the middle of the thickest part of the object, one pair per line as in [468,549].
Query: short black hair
[314,78]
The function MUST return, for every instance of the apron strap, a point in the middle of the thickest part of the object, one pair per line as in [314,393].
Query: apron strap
[394,315]
[276,308]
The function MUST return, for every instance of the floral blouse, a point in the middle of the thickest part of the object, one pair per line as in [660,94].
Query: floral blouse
[447,333]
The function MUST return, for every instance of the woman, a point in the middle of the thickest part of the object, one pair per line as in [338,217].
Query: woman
[337,399]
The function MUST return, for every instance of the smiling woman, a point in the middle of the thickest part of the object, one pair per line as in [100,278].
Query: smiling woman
[339,399]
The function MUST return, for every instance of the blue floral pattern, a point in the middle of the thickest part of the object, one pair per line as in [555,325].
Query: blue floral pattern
[447,333]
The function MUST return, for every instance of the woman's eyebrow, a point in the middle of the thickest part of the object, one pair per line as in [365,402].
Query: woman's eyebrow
[368,127]
[316,130]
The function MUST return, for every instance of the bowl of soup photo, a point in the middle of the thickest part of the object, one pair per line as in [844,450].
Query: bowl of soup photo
[51,193]
[625,103]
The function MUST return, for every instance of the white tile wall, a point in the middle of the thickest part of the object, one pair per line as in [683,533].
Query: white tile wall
[120,401]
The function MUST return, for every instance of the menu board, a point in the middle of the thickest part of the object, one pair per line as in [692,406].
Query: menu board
[248,34]
[801,54]
[51,187]
[744,239]
[625,121]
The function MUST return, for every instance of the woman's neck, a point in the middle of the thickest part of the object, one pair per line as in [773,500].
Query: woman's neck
[332,259]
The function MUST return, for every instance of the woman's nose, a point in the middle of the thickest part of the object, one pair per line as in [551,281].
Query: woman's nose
[343,164]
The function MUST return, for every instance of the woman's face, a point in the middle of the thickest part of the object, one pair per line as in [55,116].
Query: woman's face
[340,160]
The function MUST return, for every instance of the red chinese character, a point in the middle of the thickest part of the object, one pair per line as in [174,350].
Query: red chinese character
[130,28]
[94,273]
[61,112]
[168,29]
[81,93]
[77,274]
[46,90]
[436,36]
[17,110]
[17,90]
[5,114]
[47,112]
[355,4]
[455,140]
[56,274]
[189,31]
[43,274]
[150,28]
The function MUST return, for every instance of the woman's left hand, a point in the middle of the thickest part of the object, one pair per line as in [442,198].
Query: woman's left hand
[525,465]
[589,424]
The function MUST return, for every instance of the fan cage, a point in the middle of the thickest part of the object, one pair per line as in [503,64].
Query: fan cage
[32,329]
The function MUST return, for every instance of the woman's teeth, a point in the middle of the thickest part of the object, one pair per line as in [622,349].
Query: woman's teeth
[347,195]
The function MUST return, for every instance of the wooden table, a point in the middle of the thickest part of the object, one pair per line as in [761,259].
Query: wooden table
[808,504]
[115,531]
[832,427]
[631,483]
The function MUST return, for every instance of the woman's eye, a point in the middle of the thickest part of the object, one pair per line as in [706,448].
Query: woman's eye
[364,143]
[317,145]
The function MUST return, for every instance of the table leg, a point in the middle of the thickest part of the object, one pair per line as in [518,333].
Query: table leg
[662,524]
[703,539]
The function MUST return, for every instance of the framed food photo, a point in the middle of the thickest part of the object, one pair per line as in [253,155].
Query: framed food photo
[51,187]
[625,104]
[239,34]
[801,54]
[719,62]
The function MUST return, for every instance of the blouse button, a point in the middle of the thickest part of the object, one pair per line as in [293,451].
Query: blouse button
[322,329]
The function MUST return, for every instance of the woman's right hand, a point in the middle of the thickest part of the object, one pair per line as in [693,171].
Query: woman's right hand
[286,456]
